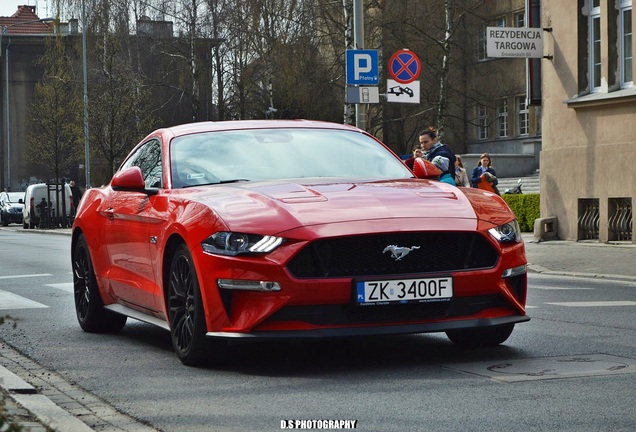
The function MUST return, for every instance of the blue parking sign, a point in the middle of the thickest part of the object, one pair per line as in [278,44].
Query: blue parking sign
[362,67]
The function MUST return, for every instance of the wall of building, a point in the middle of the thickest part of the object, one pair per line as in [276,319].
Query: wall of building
[492,80]
[589,141]
[24,72]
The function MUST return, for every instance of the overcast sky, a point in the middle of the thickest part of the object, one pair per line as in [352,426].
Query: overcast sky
[9,7]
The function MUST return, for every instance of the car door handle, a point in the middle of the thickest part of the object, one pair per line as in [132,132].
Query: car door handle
[110,213]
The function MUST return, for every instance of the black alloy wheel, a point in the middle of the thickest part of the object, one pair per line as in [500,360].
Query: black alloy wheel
[187,318]
[91,315]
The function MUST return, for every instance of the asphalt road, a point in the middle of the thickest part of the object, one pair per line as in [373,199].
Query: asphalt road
[571,368]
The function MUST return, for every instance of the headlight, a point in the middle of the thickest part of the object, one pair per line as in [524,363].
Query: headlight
[230,243]
[507,233]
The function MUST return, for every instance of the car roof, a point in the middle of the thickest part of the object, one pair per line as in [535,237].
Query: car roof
[190,128]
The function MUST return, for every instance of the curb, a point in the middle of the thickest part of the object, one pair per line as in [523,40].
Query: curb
[54,403]
[43,408]
[535,268]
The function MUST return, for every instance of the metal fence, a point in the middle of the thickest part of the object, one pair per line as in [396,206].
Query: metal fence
[589,217]
[620,221]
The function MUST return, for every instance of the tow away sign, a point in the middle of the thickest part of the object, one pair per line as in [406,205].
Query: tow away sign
[522,42]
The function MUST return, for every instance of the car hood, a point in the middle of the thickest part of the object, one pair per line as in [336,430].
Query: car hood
[277,206]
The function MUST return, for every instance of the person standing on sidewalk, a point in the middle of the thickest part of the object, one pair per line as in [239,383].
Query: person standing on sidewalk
[76,195]
[417,153]
[484,175]
[461,176]
[432,147]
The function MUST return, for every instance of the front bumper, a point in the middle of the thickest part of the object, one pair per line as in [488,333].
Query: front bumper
[325,307]
[12,217]
[432,327]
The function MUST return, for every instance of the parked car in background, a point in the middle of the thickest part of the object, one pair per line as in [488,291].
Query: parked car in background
[11,206]
[219,231]
[41,206]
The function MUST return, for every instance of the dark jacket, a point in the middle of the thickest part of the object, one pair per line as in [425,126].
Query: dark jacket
[476,174]
[443,150]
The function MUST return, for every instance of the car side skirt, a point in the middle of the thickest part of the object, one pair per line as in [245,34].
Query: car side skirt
[135,314]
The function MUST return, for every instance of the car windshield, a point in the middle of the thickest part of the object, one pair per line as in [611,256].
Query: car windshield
[267,154]
[14,197]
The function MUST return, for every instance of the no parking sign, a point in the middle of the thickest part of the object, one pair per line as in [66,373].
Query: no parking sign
[404,66]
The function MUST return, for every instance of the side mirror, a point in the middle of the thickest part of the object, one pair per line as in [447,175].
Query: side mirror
[424,169]
[130,179]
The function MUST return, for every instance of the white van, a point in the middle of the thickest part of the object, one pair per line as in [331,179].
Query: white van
[37,210]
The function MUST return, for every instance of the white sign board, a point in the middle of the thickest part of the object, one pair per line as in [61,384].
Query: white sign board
[363,95]
[522,42]
[405,93]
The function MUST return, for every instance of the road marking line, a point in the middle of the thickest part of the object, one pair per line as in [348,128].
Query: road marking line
[595,303]
[25,276]
[559,288]
[13,301]
[68,287]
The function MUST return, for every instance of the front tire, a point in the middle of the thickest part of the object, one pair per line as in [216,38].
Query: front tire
[89,307]
[481,337]
[187,318]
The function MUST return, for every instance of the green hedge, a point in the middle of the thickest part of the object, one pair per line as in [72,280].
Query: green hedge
[525,207]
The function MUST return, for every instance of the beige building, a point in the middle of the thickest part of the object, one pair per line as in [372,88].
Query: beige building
[588,182]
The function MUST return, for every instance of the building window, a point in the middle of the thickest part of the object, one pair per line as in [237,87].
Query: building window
[595,45]
[482,50]
[520,19]
[482,122]
[501,22]
[502,119]
[522,115]
[625,42]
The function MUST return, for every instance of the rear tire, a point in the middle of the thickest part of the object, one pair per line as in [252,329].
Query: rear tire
[481,337]
[185,309]
[89,307]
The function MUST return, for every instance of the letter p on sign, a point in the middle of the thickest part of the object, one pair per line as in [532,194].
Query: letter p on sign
[361,65]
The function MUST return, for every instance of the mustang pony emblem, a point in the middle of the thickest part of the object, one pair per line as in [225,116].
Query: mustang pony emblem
[399,252]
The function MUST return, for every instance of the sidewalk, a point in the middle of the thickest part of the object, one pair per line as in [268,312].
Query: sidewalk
[586,258]
[568,258]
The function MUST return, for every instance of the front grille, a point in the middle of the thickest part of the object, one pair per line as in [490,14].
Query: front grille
[352,314]
[364,256]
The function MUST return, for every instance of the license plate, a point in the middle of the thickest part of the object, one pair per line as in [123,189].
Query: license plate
[404,290]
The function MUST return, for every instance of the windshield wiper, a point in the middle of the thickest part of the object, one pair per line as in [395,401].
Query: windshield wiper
[233,180]
[215,183]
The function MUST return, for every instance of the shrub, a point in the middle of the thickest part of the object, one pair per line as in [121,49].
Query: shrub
[526,208]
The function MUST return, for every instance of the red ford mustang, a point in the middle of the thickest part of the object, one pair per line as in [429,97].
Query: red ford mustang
[275,229]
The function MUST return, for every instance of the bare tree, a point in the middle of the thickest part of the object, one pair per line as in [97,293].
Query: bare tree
[55,135]
[118,113]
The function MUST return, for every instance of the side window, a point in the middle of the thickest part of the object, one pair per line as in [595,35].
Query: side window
[148,159]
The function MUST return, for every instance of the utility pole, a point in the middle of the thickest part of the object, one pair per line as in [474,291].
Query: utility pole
[87,156]
[358,42]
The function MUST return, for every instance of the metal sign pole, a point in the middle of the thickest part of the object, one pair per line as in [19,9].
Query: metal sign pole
[358,41]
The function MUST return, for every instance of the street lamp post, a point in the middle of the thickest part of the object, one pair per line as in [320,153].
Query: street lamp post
[5,29]
[87,153]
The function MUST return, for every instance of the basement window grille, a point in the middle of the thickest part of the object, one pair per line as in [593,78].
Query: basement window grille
[620,221]
[588,219]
